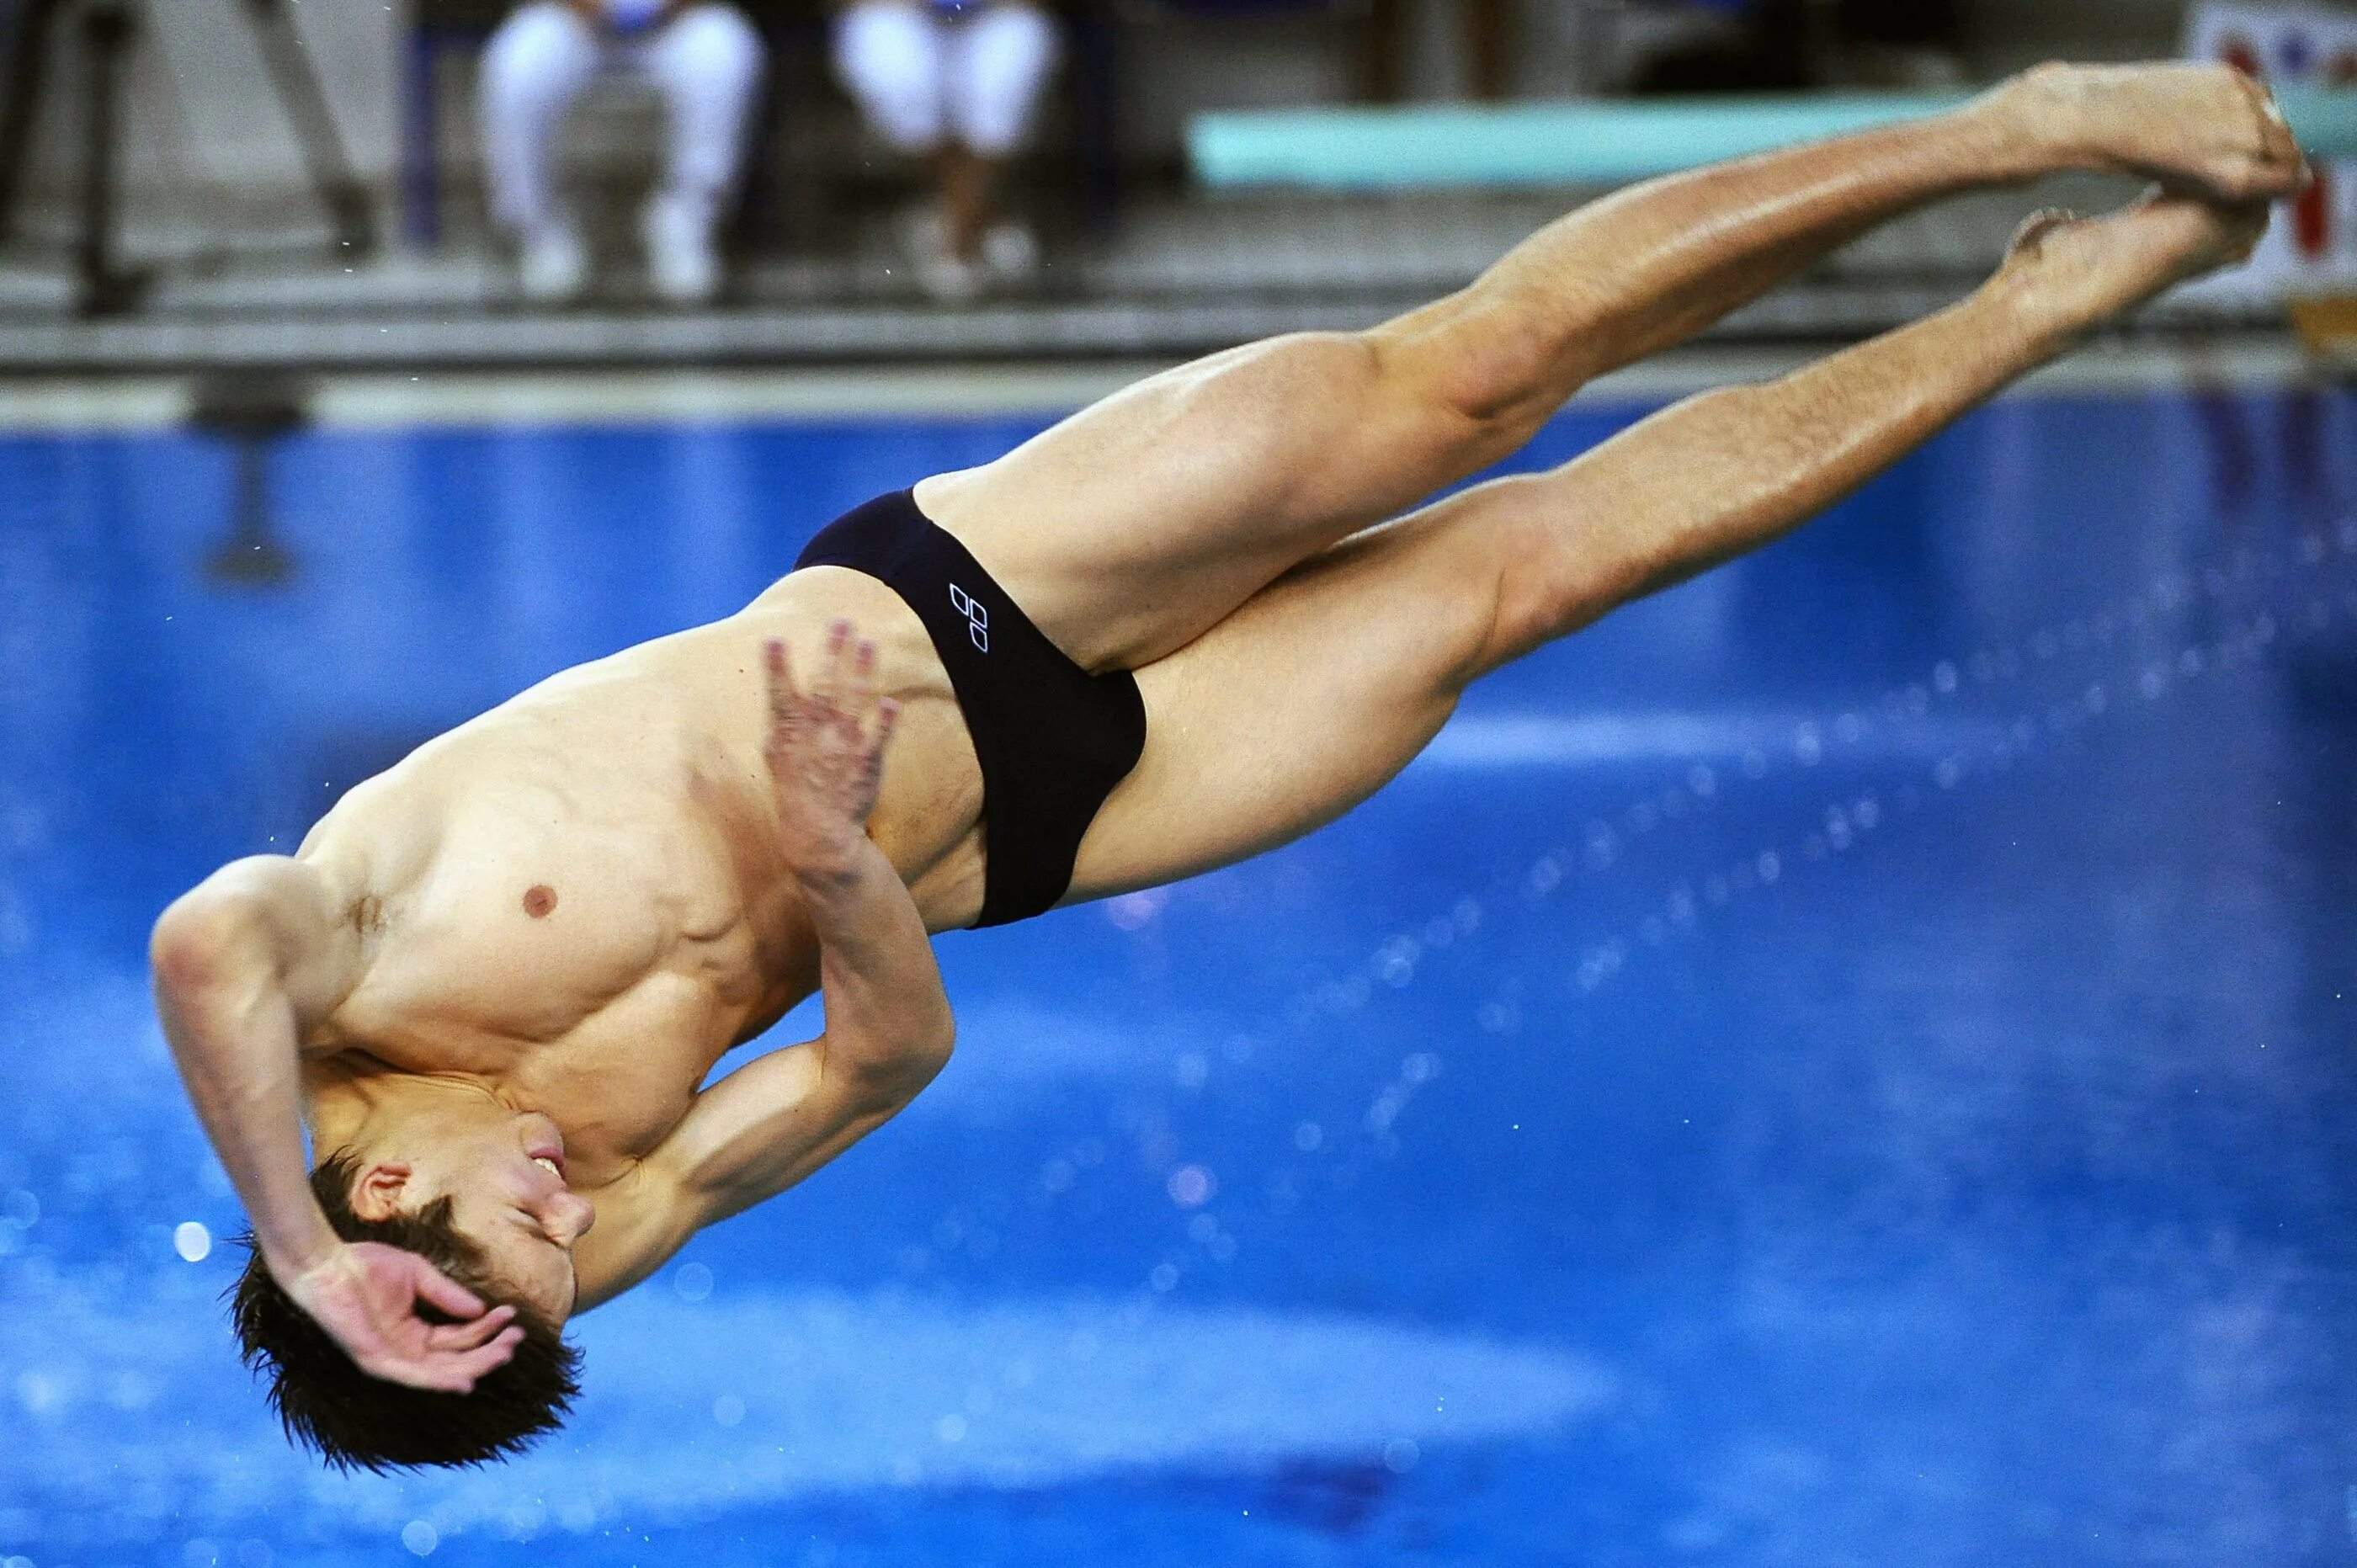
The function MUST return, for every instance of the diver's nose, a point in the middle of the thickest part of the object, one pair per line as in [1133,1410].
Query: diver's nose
[575,1214]
[566,1216]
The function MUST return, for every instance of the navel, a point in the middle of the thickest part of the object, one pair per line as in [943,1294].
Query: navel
[539,899]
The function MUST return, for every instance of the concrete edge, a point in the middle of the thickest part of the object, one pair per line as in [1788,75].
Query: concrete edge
[373,399]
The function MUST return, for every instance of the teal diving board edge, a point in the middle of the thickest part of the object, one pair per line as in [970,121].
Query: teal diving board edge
[1605,143]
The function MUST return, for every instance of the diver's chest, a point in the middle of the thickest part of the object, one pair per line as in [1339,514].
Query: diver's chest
[623,1080]
[524,928]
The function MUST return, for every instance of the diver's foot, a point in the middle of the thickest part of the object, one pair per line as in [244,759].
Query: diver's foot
[2091,268]
[2204,128]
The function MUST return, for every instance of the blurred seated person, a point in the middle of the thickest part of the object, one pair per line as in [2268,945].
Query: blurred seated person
[701,56]
[955,82]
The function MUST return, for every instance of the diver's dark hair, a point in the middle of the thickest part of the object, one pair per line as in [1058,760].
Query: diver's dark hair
[355,1421]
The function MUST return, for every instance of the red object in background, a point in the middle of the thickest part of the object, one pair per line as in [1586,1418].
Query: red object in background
[2312,221]
[2311,211]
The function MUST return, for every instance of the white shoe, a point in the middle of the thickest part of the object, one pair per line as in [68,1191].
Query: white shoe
[681,264]
[922,229]
[552,266]
[946,277]
[1010,252]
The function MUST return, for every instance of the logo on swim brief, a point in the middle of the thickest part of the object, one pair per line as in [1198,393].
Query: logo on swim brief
[977,619]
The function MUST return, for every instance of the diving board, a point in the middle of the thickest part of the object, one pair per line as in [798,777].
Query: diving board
[1595,143]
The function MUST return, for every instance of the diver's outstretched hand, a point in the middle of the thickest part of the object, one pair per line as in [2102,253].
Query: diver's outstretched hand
[365,1295]
[825,751]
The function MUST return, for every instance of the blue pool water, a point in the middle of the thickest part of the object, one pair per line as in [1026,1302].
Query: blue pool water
[1850,1062]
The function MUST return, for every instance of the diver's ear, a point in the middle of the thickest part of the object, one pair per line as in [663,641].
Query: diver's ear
[376,1191]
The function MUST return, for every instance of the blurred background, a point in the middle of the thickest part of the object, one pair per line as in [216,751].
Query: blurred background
[1847,1062]
[466,183]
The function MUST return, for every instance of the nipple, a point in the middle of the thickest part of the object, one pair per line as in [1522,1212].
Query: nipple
[539,899]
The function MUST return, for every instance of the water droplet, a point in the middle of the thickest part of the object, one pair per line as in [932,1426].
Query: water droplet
[1191,1187]
[192,1241]
[420,1537]
[692,1281]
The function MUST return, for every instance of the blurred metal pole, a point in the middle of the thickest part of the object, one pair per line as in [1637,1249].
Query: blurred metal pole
[297,82]
[27,68]
[106,290]
[1490,29]
[251,410]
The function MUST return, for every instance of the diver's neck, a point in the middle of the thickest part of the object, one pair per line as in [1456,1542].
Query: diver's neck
[355,1100]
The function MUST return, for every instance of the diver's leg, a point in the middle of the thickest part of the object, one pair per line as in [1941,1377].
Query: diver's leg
[1324,685]
[1133,527]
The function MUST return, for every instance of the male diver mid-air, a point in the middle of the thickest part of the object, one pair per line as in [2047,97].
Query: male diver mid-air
[1187,625]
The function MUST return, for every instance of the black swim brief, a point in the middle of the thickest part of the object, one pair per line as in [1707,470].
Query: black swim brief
[1052,739]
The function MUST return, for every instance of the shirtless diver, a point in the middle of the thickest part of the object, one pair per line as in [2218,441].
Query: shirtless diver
[1164,636]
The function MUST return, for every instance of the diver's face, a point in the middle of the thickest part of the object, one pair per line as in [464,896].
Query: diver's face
[505,1177]
[509,1199]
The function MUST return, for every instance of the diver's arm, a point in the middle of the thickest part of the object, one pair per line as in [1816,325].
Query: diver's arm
[777,1118]
[780,1117]
[887,1022]
[889,1029]
[243,965]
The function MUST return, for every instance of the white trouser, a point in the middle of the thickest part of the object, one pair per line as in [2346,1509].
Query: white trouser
[707,62]
[923,78]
